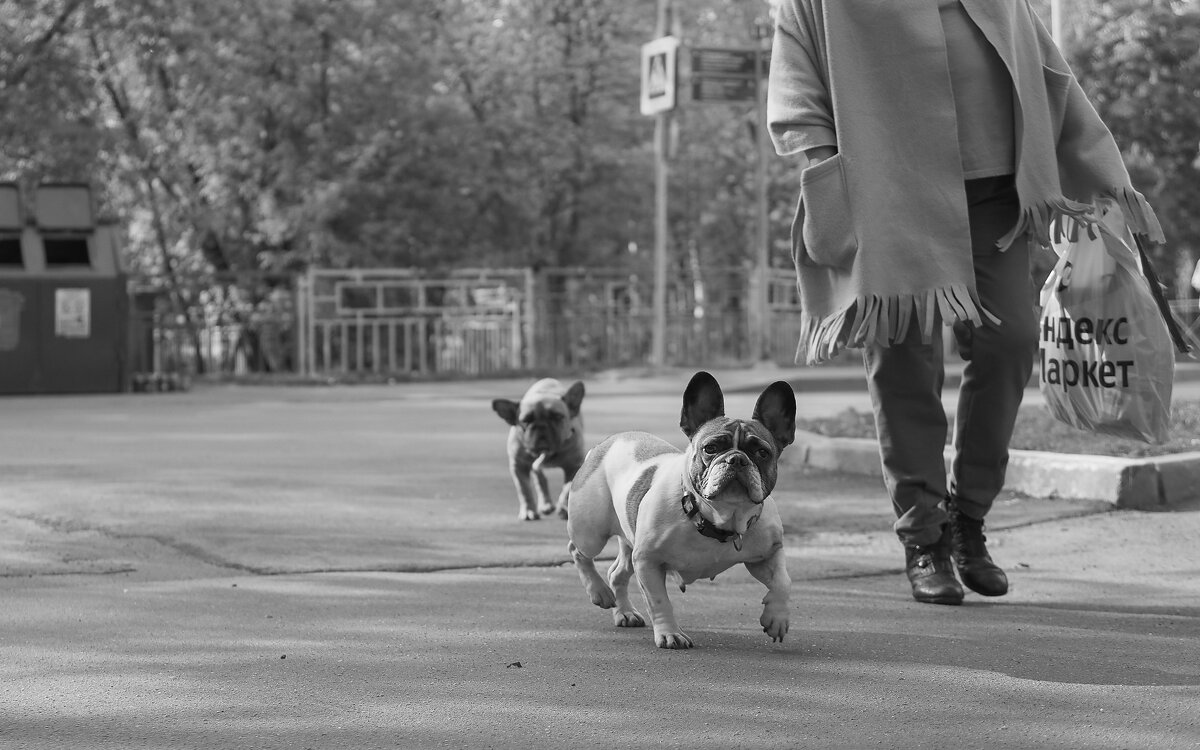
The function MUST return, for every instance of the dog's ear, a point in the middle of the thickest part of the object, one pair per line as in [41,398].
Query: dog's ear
[509,411]
[574,397]
[702,402]
[776,410]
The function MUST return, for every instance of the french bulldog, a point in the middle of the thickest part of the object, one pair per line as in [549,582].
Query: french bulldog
[546,430]
[690,514]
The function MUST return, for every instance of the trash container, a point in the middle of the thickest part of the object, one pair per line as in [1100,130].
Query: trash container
[64,306]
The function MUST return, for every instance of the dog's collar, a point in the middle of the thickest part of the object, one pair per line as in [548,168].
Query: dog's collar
[691,509]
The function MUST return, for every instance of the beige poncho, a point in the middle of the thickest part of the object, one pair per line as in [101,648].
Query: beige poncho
[881,232]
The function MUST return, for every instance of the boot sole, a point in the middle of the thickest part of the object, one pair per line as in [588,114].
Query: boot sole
[985,592]
[951,600]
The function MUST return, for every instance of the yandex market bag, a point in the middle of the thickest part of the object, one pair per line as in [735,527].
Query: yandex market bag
[1107,356]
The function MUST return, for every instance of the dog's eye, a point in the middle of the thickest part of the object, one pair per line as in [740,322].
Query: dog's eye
[763,453]
[712,449]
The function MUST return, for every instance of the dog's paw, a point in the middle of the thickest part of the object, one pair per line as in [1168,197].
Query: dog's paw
[672,640]
[546,509]
[628,619]
[527,514]
[602,596]
[774,625]
[562,513]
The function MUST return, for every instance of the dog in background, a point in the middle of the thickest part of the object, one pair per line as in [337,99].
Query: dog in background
[690,514]
[546,431]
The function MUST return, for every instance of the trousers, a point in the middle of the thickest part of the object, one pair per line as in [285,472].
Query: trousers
[905,381]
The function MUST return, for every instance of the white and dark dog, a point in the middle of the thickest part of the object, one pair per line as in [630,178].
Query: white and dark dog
[690,514]
[546,431]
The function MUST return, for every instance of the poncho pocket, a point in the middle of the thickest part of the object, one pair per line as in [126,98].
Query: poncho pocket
[823,230]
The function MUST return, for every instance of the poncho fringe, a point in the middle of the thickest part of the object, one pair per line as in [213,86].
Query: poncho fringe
[872,319]
[1037,221]
[1139,217]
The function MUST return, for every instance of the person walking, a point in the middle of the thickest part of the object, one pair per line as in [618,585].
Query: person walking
[944,139]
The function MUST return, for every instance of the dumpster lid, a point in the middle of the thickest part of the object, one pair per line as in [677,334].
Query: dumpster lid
[64,206]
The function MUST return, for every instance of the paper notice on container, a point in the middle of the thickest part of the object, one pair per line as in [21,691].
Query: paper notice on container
[73,313]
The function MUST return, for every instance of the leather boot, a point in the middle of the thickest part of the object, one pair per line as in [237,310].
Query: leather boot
[975,565]
[931,572]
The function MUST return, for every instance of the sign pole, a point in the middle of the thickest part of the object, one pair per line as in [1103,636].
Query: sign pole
[661,240]
[662,128]
[759,319]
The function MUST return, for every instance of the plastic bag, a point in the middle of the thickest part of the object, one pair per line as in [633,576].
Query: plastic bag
[1107,362]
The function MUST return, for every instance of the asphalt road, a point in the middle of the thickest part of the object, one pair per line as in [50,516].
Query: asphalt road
[267,567]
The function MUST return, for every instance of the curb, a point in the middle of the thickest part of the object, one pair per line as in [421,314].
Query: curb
[1156,483]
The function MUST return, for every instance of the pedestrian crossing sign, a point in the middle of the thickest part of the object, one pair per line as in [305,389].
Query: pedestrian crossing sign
[658,75]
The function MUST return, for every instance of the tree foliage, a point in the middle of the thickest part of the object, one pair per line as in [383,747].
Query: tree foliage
[240,137]
[1139,61]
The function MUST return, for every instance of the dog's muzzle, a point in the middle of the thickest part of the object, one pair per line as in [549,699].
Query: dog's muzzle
[542,440]
[734,466]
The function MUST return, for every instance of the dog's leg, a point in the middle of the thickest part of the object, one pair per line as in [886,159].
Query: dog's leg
[652,577]
[773,574]
[602,596]
[624,616]
[544,505]
[564,497]
[526,503]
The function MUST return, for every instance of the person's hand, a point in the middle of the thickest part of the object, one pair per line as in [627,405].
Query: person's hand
[819,154]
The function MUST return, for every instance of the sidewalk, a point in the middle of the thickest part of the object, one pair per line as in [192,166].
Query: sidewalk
[292,568]
[1097,645]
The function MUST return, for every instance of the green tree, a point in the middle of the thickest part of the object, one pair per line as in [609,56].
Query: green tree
[49,123]
[1140,66]
[547,91]
[235,140]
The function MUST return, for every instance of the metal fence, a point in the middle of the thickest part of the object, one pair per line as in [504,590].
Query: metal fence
[363,323]
[233,324]
[380,322]
[471,322]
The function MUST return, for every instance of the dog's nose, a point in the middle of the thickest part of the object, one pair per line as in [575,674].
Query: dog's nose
[738,460]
